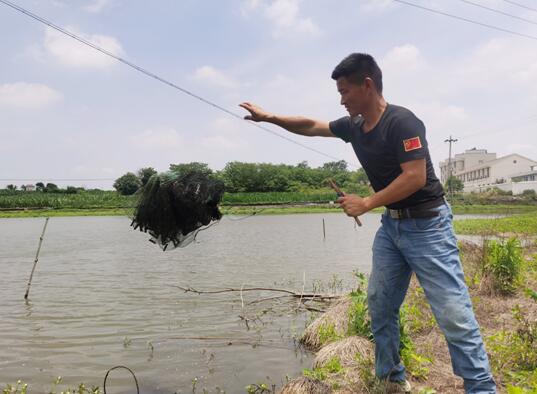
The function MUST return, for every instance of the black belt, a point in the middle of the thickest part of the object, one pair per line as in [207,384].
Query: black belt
[420,211]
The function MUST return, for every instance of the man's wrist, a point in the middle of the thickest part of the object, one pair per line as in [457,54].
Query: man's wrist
[271,118]
[369,203]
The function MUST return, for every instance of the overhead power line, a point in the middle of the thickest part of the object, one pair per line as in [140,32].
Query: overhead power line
[499,12]
[463,19]
[521,5]
[155,76]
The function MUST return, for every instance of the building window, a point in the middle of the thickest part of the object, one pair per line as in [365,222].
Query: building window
[514,161]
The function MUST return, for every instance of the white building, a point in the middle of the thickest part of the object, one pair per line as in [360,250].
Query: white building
[479,170]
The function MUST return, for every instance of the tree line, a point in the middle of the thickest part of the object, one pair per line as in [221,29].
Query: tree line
[260,177]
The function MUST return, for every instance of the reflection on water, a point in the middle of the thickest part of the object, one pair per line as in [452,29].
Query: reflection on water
[102,295]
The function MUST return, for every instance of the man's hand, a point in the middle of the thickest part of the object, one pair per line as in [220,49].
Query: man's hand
[257,114]
[354,205]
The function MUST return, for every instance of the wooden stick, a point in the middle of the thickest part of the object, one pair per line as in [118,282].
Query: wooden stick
[341,194]
[289,292]
[36,258]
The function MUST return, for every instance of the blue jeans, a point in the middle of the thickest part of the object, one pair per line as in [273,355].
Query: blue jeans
[427,247]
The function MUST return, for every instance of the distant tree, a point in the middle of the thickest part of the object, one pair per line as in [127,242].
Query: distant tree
[454,184]
[11,187]
[337,170]
[127,184]
[145,173]
[51,188]
[39,186]
[335,166]
[360,177]
[71,190]
[529,194]
[184,168]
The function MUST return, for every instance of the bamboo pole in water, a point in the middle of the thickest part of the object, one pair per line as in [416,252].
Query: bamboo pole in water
[36,258]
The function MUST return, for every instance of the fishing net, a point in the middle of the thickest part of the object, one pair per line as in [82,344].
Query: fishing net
[173,208]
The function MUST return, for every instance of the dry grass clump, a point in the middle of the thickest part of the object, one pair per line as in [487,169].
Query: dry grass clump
[346,350]
[332,324]
[305,385]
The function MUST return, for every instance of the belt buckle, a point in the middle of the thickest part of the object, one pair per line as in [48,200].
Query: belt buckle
[395,214]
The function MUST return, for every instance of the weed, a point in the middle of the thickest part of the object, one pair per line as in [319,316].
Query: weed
[414,362]
[258,388]
[22,388]
[327,333]
[333,366]
[513,353]
[503,262]
[418,316]
[359,323]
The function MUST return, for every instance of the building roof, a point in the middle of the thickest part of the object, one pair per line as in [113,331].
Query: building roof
[490,162]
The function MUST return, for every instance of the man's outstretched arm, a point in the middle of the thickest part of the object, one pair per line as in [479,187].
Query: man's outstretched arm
[294,124]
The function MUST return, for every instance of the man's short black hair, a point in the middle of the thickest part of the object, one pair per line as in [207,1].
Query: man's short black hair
[357,67]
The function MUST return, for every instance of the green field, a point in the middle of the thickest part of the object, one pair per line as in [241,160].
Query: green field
[109,203]
[81,200]
[523,224]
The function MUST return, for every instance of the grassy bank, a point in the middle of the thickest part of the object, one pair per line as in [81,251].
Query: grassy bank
[502,279]
[471,226]
[523,224]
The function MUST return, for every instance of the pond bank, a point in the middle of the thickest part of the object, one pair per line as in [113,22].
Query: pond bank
[269,209]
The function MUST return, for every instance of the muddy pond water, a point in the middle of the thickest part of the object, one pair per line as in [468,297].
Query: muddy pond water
[103,296]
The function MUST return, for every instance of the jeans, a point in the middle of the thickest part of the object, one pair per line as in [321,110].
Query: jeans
[427,247]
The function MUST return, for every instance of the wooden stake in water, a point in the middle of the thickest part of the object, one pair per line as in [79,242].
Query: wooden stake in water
[36,258]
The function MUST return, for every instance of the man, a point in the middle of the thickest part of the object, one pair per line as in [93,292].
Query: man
[416,233]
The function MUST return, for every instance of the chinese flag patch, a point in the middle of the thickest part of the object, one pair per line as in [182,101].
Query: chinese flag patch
[411,144]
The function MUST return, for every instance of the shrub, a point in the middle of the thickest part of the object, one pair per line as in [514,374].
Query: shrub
[503,261]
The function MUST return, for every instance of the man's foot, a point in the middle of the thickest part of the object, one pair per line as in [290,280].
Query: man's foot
[398,387]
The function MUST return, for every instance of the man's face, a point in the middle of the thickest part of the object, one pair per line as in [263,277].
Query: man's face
[353,96]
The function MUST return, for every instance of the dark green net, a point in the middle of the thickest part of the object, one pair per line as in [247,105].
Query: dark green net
[173,208]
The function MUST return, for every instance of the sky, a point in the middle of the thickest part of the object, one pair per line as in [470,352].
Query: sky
[69,112]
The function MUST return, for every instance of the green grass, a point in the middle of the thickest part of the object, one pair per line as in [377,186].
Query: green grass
[33,213]
[502,209]
[523,224]
[82,200]
[277,198]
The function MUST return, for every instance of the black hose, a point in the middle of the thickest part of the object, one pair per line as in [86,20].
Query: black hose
[128,369]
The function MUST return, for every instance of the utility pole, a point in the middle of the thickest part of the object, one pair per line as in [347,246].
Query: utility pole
[451,140]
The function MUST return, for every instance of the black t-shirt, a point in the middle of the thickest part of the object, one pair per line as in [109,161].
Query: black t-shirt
[398,137]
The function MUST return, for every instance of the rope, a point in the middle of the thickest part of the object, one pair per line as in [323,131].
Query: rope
[117,367]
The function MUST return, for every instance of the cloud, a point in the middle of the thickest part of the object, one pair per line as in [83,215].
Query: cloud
[25,95]
[72,53]
[96,6]
[226,135]
[212,76]
[285,17]
[502,60]
[376,6]
[404,58]
[157,139]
